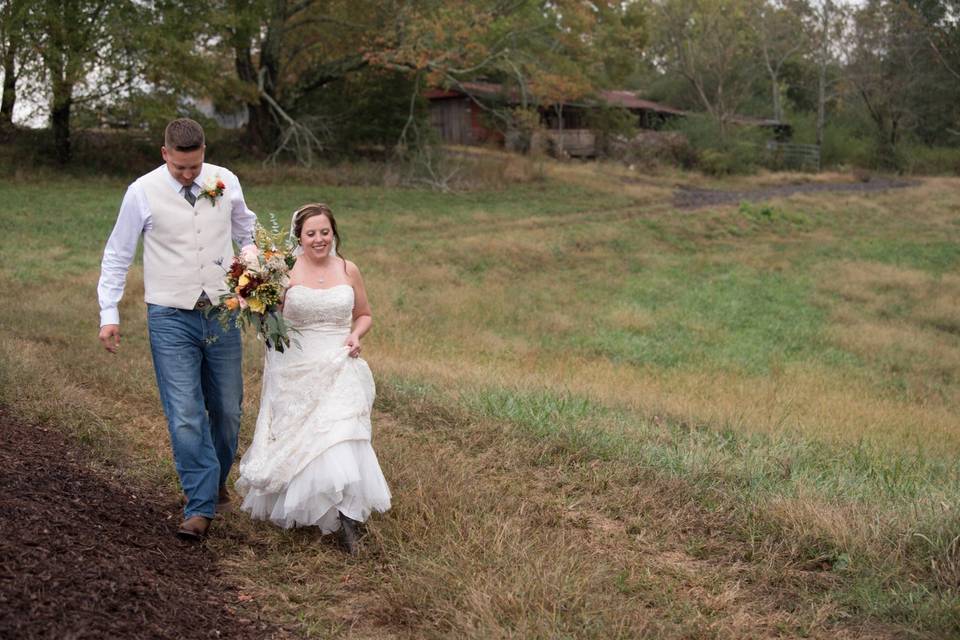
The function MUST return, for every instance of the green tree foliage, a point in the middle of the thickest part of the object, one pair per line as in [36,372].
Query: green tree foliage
[336,77]
[286,53]
[712,45]
[13,52]
[362,113]
[938,24]
[892,69]
[90,50]
[780,37]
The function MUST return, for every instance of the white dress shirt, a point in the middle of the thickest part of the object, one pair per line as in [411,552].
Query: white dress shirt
[135,218]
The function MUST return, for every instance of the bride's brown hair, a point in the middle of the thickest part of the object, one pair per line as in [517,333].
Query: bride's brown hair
[308,211]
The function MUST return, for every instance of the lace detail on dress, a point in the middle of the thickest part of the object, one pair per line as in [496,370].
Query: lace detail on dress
[318,309]
[314,398]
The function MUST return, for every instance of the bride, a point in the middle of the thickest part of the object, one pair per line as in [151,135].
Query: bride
[311,462]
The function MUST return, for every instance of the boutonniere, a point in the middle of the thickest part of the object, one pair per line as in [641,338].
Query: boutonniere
[212,189]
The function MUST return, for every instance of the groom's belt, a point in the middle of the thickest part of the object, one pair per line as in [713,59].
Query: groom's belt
[202,302]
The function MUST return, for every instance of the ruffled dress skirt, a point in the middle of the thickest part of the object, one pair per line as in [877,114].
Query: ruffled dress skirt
[311,455]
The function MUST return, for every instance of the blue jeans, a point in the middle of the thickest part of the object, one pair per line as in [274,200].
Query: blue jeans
[201,388]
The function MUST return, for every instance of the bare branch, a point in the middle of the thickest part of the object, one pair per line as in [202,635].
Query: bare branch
[411,115]
[942,58]
[295,136]
[315,19]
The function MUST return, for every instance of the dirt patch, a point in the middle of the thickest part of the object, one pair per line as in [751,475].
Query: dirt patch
[82,556]
[694,198]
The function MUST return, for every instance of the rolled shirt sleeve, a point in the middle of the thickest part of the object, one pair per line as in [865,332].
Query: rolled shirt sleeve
[242,219]
[119,252]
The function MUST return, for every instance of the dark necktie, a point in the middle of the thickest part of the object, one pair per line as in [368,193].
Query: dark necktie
[188,194]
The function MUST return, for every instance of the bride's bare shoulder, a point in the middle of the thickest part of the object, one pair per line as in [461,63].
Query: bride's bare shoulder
[293,279]
[350,267]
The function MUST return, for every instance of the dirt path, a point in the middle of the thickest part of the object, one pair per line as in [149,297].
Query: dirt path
[684,198]
[694,198]
[83,556]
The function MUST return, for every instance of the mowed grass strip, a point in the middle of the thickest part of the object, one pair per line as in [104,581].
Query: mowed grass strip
[764,370]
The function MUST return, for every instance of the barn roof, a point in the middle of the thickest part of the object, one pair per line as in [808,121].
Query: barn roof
[493,90]
[629,100]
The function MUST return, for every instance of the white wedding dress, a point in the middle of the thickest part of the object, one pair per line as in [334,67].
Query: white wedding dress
[311,454]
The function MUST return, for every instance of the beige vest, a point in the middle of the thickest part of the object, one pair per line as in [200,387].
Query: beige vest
[181,250]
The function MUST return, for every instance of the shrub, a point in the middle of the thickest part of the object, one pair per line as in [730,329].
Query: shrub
[922,160]
[108,152]
[363,114]
[649,148]
[520,133]
[611,124]
[739,150]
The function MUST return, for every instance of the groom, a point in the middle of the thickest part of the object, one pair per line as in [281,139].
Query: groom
[187,212]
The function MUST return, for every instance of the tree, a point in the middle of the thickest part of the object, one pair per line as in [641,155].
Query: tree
[780,37]
[710,43]
[89,49]
[826,26]
[888,63]
[13,14]
[282,49]
[285,50]
[942,21]
[939,23]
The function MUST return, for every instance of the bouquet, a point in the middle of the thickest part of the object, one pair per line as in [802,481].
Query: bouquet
[256,280]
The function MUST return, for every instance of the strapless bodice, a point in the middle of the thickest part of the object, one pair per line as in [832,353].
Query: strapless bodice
[322,310]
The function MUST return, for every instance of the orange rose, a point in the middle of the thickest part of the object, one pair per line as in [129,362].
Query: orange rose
[232,304]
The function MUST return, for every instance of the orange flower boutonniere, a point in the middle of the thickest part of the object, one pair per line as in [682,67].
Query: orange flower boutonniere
[213,189]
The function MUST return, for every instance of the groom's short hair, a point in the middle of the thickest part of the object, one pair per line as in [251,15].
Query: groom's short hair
[183,134]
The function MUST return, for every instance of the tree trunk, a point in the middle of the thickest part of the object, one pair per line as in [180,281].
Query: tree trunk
[777,107]
[60,119]
[722,110]
[822,69]
[821,100]
[262,131]
[560,149]
[9,85]
[774,83]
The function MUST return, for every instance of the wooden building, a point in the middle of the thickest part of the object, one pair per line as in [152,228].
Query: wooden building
[459,118]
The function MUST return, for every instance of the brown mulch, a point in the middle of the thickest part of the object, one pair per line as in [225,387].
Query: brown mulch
[695,198]
[83,556]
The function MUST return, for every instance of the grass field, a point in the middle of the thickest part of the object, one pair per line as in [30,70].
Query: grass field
[600,416]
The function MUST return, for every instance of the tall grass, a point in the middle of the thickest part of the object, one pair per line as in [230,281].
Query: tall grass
[600,417]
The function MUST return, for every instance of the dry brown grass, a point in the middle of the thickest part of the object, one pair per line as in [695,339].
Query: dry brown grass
[645,189]
[806,402]
[499,533]
[903,318]
[494,535]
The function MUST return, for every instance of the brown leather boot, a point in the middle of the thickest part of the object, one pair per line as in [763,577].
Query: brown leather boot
[194,528]
[224,501]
